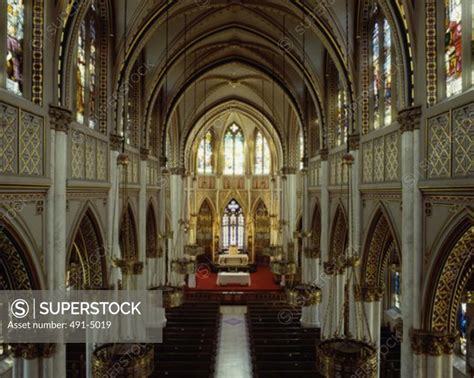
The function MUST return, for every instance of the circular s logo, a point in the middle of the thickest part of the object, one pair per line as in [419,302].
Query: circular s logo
[19,308]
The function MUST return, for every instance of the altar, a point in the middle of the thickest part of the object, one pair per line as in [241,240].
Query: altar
[233,260]
[236,278]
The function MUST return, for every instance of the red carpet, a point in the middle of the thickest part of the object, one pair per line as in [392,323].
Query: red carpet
[260,280]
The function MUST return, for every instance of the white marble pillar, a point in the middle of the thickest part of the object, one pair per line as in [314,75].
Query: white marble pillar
[306,263]
[324,280]
[163,278]
[411,242]
[60,119]
[447,369]
[17,367]
[113,201]
[30,367]
[434,367]
[177,216]
[290,207]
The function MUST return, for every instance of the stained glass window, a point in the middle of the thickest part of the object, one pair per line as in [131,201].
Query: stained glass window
[204,155]
[233,225]
[382,72]
[81,73]
[301,148]
[396,289]
[376,80]
[234,151]
[15,45]
[453,47]
[86,78]
[387,72]
[262,155]
[341,125]
[462,328]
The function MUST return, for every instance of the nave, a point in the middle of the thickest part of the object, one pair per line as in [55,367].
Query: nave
[301,168]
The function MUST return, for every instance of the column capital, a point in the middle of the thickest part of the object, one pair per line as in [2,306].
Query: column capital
[372,293]
[178,171]
[31,351]
[144,153]
[163,161]
[324,154]
[129,266]
[409,118]
[116,141]
[353,141]
[432,343]
[60,118]
[288,170]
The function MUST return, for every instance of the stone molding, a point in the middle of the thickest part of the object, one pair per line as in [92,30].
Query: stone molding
[116,141]
[409,118]
[60,118]
[431,343]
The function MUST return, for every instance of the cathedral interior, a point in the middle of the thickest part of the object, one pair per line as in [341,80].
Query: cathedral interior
[295,177]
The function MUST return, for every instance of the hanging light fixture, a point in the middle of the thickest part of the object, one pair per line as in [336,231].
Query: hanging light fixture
[350,351]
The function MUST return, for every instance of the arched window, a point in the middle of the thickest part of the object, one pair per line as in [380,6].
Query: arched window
[396,288]
[453,46]
[462,328]
[234,151]
[301,148]
[15,46]
[262,155]
[395,284]
[86,62]
[233,225]
[341,125]
[382,71]
[204,155]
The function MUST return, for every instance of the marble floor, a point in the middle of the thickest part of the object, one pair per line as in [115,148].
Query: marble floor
[233,353]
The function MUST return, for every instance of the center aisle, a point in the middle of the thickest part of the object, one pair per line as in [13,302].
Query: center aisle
[233,353]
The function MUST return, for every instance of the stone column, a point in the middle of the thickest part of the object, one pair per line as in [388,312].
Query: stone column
[60,119]
[324,278]
[164,182]
[436,349]
[372,305]
[408,120]
[177,205]
[290,206]
[31,360]
[306,263]
[17,354]
[113,201]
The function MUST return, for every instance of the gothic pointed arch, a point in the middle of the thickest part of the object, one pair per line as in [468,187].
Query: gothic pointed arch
[397,82]
[381,245]
[339,235]
[152,249]
[205,229]
[89,23]
[452,269]
[261,229]
[128,239]
[16,268]
[86,264]
[233,225]
[315,241]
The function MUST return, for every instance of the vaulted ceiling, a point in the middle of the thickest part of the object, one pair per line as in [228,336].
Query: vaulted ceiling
[200,54]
